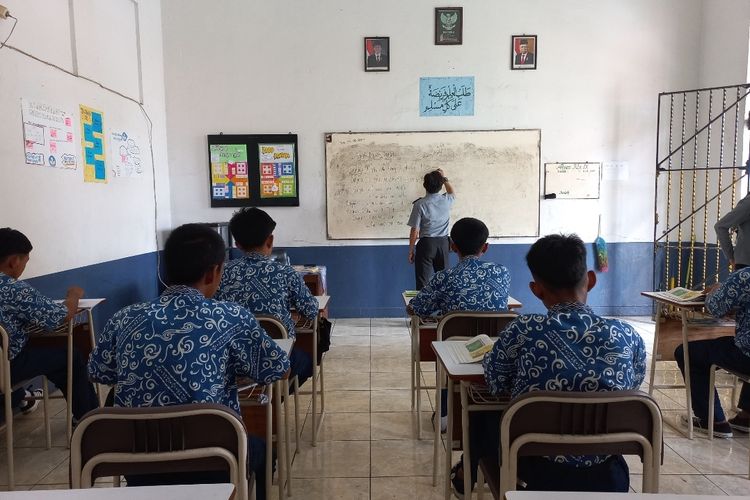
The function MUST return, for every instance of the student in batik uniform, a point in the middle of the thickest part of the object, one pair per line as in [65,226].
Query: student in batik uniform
[23,309]
[731,352]
[184,347]
[265,286]
[599,355]
[472,285]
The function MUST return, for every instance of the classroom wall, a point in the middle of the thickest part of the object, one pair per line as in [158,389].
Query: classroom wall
[284,66]
[725,37]
[85,233]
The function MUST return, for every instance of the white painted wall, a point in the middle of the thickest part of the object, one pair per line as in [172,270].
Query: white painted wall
[252,66]
[72,223]
[725,35]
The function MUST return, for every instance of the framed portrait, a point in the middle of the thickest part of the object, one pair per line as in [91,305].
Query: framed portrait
[524,52]
[377,53]
[449,25]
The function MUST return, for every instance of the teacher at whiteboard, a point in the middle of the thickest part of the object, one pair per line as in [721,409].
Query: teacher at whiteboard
[429,221]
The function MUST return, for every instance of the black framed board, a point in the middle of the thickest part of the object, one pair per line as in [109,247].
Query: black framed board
[259,170]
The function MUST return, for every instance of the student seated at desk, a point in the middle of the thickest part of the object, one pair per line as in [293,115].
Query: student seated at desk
[22,308]
[472,285]
[184,347]
[730,352]
[568,349]
[265,286]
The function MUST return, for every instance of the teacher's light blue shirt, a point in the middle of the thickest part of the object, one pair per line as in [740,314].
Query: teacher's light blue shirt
[431,214]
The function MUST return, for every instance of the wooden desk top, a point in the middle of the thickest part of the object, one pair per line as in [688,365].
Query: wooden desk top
[85,303]
[664,300]
[285,344]
[458,371]
[322,301]
[512,303]
[175,492]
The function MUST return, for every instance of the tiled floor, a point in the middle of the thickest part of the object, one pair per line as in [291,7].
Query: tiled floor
[367,447]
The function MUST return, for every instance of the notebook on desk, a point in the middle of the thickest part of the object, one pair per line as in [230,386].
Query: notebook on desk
[470,351]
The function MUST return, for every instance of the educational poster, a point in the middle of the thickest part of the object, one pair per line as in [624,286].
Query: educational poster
[92,140]
[229,172]
[124,154]
[446,96]
[277,171]
[48,135]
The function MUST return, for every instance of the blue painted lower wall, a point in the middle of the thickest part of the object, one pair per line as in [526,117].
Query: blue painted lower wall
[366,281]
[122,282]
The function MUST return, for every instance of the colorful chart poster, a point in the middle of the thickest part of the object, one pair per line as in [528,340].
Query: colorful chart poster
[48,135]
[92,140]
[124,154]
[229,172]
[446,96]
[277,171]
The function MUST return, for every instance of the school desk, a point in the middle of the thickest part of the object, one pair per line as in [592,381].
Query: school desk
[220,491]
[465,374]
[557,495]
[423,331]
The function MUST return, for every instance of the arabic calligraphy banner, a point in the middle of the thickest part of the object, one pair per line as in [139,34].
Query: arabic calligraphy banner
[446,96]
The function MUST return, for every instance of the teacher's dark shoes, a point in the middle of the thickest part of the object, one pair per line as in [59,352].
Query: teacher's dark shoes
[721,429]
[740,423]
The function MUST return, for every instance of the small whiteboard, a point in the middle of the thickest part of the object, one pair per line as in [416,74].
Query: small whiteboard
[572,180]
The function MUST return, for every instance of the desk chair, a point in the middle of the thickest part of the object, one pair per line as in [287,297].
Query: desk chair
[123,441]
[463,325]
[276,330]
[7,387]
[546,423]
[744,377]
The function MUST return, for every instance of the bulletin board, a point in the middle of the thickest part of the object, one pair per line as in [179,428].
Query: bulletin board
[260,170]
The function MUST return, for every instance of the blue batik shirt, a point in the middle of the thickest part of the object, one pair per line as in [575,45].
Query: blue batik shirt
[265,286]
[183,348]
[568,349]
[473,285]
[23,308]
[734,294]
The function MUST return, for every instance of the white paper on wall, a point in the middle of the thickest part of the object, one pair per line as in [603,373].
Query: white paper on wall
[125,154]
[49,135]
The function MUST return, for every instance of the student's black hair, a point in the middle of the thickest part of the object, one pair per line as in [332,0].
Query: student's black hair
[558,261]
[469,234]
[13,242]
[251,226]
[433,182]
[190,252]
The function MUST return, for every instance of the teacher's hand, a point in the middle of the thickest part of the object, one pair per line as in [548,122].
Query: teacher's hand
[411,256]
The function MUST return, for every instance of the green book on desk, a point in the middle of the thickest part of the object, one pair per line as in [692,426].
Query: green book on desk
[410,293]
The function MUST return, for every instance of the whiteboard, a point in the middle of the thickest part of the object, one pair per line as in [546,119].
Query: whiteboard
[373,178]
[572,180]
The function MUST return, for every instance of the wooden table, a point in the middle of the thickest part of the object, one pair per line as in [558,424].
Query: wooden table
[684,308]
[175,492]
[418,346]
[307,339]
[557,495]
[464,374]
[85,309]
[282,427]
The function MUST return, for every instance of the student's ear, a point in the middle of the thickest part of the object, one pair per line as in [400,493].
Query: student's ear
[269,241]
[213,276]
[591,277]
[453,246]
[537,290]
[484,248]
